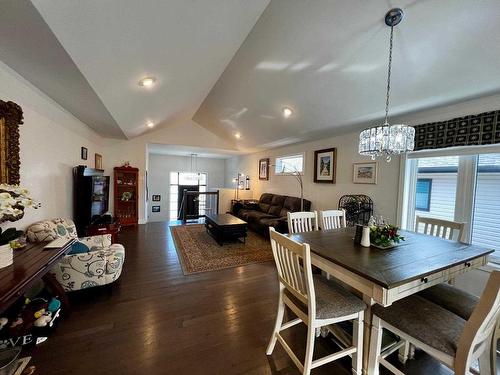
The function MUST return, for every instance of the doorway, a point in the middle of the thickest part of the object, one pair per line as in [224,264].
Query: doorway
[180,181]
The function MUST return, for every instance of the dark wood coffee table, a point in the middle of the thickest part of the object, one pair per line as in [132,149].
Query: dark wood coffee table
[224,227]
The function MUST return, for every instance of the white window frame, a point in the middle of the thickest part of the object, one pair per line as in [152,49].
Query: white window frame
[466,184]
[303,154]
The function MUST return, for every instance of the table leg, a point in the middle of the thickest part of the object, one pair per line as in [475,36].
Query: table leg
[54,287]
[367,334]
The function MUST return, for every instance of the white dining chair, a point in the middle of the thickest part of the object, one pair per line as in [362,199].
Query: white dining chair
[455,342]
[440,228]
[315,301]
[332,219]
[302,221]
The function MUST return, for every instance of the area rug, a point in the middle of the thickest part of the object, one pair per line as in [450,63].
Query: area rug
[198,251]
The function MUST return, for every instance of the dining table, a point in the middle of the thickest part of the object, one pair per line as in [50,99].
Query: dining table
[384,276]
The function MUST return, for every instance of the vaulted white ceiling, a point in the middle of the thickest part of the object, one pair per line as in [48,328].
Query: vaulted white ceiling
[327,60]
[232,65]
[185,44]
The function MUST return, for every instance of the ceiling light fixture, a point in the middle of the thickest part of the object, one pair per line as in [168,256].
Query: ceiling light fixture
[287,112]
[150,124]
[237,135]
[387,140]
[147,82]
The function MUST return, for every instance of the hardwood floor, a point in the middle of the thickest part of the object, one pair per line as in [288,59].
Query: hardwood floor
[155,320]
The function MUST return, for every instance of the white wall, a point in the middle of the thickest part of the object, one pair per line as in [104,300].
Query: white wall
[159,170]
[323,196]
[135,150]
[50,141]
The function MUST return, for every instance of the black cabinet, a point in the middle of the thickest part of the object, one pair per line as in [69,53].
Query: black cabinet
[90,196]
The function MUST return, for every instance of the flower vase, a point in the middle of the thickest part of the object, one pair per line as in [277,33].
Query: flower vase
[6,255]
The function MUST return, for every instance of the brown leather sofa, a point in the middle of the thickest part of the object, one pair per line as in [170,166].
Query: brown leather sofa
[271,211]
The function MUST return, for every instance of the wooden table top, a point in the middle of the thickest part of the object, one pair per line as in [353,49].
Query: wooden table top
[30,264]
[420,255]
[223,220]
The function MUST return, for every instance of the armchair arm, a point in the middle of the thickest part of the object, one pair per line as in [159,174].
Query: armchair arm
[100,241]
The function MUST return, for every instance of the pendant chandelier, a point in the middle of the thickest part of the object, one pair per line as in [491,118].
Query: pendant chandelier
[387,140]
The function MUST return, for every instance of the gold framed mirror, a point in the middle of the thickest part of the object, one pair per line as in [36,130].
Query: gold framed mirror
[11,116]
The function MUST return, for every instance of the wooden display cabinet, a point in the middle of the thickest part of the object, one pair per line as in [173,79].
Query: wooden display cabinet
[126,197]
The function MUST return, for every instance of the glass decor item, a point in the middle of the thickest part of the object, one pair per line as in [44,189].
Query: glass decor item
[387,140]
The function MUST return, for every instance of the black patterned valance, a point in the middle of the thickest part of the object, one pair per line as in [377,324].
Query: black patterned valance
[481,129]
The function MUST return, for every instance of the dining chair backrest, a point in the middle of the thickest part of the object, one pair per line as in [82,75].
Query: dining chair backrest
[439,228]
[332,219]
[302,221]
[477,334]
[296,278]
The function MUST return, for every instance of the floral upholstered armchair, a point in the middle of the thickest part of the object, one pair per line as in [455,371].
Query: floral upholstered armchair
[92,261]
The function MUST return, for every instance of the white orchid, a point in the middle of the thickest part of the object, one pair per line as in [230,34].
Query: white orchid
[13,200]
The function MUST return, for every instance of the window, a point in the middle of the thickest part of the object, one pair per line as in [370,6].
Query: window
[186,179]
[463,188]
[423,194]
[289,164]
[486,221]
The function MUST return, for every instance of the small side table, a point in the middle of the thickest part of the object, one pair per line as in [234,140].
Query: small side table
[113,229]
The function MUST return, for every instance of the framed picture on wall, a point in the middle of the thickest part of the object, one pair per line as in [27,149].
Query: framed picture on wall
[155,208]
[365,173]
[264,169]
[98,161]
[156,197]
[84,153]
[325,165]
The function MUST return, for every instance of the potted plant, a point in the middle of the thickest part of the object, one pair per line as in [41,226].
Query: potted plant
[385,236]
[13,201]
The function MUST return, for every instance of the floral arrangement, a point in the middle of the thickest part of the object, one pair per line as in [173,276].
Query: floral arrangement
[385,235]
[13,201]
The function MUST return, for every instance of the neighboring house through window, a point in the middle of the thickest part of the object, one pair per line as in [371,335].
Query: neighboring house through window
[423,194]
[289,164]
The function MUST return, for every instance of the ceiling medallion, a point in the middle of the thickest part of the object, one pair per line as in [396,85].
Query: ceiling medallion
[387,140]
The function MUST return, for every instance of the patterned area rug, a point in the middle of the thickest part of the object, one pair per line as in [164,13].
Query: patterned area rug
[198,251]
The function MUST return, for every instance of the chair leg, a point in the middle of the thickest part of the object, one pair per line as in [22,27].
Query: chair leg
[277,325]
[375,347]
[404,353]
[357,341]
[486,365]
[311,335]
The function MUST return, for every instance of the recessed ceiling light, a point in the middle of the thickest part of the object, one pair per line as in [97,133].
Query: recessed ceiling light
[237,135]
[147,81]
[150,124]
[287,112]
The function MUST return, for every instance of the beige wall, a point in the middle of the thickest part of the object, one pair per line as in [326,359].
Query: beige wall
[50,141]
[323,196]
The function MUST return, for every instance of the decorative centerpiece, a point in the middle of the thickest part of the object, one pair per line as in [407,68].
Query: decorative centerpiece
[13,201]
[385,236]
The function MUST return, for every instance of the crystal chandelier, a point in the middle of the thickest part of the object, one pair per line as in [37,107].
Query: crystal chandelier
[387,140]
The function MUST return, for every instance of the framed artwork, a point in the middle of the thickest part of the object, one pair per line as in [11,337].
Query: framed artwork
[155,208]
[365,173]
[98,161]
[264,169]
[156,198]
[84,153]
[325,165]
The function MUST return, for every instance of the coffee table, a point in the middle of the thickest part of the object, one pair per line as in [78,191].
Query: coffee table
[224,227]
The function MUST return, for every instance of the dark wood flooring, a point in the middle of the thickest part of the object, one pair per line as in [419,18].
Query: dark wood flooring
[155,320]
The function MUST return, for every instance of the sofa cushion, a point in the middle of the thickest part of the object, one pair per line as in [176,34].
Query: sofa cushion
[257,216]
[276,205]
[265,202]
[291,204]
